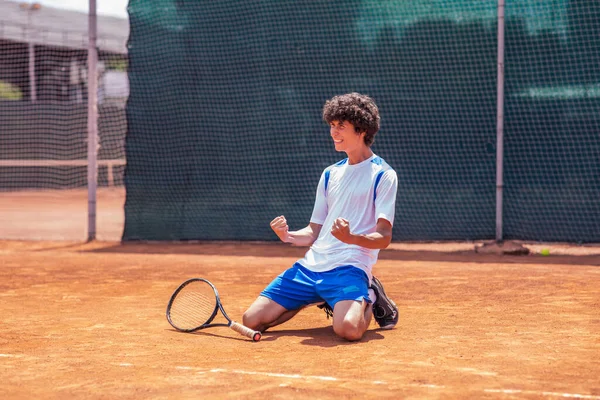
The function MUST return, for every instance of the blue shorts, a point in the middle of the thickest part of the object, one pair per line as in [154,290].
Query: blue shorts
[298,287]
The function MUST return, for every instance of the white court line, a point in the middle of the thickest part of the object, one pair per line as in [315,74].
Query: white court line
[298,376]
[534,392]
[477,372]
[423,385]
[276,374]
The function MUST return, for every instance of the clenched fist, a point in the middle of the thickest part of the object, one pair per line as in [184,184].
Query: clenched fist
[281,228]
[341,230]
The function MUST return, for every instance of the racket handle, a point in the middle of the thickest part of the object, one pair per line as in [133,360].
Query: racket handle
[242,330]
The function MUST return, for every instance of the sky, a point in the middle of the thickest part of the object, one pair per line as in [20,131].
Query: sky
[115,8]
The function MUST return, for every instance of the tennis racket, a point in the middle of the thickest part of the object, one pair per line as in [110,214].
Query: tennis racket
[195,304]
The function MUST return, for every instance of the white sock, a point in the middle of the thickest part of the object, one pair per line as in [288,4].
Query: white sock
[372,295]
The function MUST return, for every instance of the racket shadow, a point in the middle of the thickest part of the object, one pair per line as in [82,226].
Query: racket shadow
[322,337]
[235,336]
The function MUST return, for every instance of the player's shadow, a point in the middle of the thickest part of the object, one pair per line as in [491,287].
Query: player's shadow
[322,337]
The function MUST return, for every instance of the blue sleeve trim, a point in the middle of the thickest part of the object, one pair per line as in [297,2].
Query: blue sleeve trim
[377,160]
[377,179]
[327,173]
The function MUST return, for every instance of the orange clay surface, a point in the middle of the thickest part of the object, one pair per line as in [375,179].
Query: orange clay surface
[88,321]
[60,214]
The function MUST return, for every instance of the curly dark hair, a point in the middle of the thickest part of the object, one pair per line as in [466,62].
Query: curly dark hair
[358,109]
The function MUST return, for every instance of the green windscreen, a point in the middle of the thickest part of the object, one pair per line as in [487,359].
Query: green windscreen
[225,129]
[552,121]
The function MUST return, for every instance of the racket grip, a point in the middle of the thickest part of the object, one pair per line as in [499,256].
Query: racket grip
[242,330]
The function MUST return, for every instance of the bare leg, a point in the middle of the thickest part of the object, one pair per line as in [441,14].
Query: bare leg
[351,318]
[264,313]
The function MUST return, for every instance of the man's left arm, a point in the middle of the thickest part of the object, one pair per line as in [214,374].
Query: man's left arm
[380,239]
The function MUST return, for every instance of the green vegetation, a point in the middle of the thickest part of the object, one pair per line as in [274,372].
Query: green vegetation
[116,64]
[9,91]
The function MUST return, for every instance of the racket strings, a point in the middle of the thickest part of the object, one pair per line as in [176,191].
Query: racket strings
[193,306]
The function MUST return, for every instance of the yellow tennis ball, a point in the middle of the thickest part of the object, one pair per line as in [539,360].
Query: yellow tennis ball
[545,252]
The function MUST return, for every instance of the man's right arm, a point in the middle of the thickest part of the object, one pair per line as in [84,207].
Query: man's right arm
[303,237]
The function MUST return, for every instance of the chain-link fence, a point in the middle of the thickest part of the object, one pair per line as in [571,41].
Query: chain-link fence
[44,122]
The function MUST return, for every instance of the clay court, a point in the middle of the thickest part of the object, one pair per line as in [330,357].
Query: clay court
[215,115]
[88,321]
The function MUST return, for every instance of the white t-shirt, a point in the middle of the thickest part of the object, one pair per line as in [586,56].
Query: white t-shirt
[361,193]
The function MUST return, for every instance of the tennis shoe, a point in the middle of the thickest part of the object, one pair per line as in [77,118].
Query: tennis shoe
[385,310]
[327,308]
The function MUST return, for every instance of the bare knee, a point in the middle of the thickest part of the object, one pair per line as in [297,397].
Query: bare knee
[264,313]
[349,319]
[348,330]
[251,320]
[256,319]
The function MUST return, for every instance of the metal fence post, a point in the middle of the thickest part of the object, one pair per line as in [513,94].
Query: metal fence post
[500,125]
[92,176]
